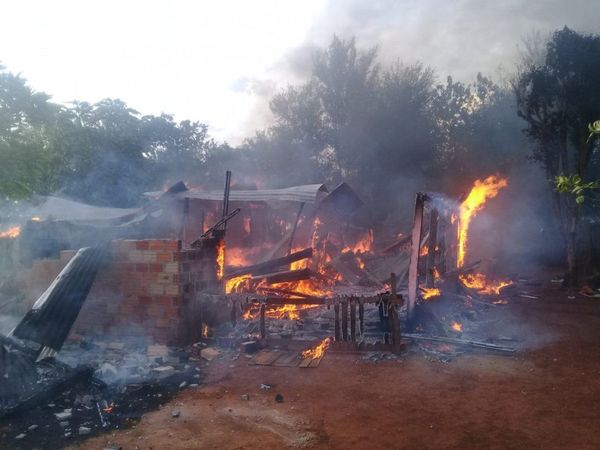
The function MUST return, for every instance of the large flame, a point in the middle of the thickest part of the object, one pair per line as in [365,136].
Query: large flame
[481,192]
[11,233]
[236,284]
[456,326]
[317,351]
[480,282]
[220,259]
[430,292]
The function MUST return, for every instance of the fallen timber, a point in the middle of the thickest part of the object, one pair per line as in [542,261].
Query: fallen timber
[456,341]
[270,265]
[284,276]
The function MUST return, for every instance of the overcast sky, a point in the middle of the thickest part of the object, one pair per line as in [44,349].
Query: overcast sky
[219,61]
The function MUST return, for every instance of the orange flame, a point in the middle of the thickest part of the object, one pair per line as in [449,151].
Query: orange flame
[481,192]
[236,284]
[479,282]
[237,256]
[456,326]
[317,351]
[290,312]
[363,245]
[220,259]
[424,251]
[430,292]
[11,233]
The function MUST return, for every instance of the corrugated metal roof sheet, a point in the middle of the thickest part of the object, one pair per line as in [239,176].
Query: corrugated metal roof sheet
[59,208]
[53,314]
[309,193]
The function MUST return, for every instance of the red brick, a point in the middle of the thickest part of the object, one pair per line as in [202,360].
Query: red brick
[142,245]
[156,244]
[154,267]
[164,256]
[141,267]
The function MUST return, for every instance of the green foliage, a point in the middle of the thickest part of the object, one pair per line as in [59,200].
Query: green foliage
[104,153]
[594,129]
[574,185]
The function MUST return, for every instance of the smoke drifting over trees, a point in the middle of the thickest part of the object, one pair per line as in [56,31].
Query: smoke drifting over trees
[389,129]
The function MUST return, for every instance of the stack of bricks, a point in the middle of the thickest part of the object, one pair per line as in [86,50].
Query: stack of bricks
[141,291]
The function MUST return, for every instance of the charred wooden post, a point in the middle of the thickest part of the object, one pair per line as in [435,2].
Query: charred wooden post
[226,197]
[353,319]
[431,253]
[413,274]
[336,325]
[263,325]
[293,234]
[395,328]
[361,317]
[233,313]
[442,253]
[344,320]
[393,314]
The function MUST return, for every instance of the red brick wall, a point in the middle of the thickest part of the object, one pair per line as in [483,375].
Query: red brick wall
[142,291]
[145,289]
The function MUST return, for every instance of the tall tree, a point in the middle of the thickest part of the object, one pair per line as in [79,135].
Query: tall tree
[558,99]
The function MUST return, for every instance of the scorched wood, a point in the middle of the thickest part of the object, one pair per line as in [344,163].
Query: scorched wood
[270,265]
[283,277]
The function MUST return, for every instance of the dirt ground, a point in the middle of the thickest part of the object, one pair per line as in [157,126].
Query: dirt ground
[546,396]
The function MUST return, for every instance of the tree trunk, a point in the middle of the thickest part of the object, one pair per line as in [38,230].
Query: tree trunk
[571,235]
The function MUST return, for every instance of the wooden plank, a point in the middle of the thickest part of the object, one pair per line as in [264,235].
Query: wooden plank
[270,265]
[413,275]
[288,359]
[316,361]
[306,362]
[431,247]
[456,341]
[266,358]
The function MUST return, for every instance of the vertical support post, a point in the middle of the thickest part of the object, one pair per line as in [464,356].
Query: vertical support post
[263,325]
[226,196]
[295,227]
[233,312]
[361,317]
[413,274]
[353,319]
[336,325]
[431,254]
[395,328]
[393,314]
[443,230]
[344,320]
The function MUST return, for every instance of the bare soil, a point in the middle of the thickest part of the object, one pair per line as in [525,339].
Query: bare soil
[546,396]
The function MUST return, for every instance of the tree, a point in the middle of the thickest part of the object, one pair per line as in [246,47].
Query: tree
[28,156]
[558,99]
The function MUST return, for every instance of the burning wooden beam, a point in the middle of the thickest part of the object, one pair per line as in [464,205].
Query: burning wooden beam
[270,265]
[283,276]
